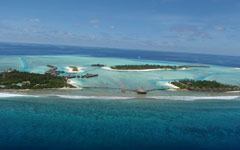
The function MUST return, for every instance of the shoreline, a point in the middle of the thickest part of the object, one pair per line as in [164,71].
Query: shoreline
[69,81]
[169,84]
[109,68]
[29,90]
[70,70]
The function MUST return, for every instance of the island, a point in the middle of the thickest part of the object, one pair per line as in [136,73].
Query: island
[14,79]
[74,69]
[204,86]
[150,67]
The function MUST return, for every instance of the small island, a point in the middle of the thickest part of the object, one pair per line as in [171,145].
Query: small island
[204,86]
[13,79]
[74,69]
[150,67]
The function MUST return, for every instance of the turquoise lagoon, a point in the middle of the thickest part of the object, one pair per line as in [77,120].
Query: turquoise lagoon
[98,118]
[121,79]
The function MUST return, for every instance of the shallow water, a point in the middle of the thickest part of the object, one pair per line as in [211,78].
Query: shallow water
[98,118]
[123,80]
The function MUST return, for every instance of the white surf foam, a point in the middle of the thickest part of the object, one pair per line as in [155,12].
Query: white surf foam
[5,95]
[9,95]
[93,97]
[192,98]
[182,98]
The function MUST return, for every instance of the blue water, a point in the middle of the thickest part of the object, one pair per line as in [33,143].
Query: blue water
[130,124]
[35,49]
[50,122]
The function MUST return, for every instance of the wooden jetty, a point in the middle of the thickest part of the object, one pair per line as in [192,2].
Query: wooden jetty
[53,70]
[89,75]
[138,91]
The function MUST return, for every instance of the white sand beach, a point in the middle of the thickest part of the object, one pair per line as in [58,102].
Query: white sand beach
[169,84]
[70,70]
[69,81]
[233,92]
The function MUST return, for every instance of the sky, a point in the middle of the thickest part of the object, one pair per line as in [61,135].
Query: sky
[196,26]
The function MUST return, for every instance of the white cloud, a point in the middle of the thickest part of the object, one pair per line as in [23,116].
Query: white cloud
[200,27]
[76,25]
[63,33]
[219,28]
[183,36]
[95,21]
[32,20]
[9,27]
[29,30]
[112,27]
[203,35]
[182,29]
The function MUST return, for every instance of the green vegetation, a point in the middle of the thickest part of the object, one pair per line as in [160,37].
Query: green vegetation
[74,68]
[14,79]
[146,66]
[204,86]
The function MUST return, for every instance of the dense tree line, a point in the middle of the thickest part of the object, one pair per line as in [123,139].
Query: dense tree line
[146,66]
[25,80]
[74,68]
[204,85]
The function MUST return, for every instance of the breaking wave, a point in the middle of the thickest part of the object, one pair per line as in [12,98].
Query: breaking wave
[192,98]
[182,98]
[5,95]
[93,97]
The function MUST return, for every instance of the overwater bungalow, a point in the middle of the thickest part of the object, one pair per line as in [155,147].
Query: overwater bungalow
[70,76]
[88,75]
[53,70]
[141,91]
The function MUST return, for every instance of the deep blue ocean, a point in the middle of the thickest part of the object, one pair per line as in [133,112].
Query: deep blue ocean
[59,123]
[36,49]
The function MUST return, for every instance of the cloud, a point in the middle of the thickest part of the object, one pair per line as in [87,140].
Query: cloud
[203,35]
[190,33]
[181,29]
[155,43]
[183,36]
[200,27]
[32,20]
[234,28]
[219,28]
[76,25]
[95,21]
[9,27]
[112,27]
[30,30]
[62,33]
